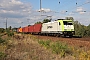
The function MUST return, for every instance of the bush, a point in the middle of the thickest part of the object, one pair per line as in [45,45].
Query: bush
[10,33]
[81,30]
[2,30]
[45,43]
[60,48]
[1,40]
[56,47]
[2,55]
[84,55]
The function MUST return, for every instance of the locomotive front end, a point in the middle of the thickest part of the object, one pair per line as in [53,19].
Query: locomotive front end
[68,28]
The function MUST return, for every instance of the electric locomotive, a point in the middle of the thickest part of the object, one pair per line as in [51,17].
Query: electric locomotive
[59,27]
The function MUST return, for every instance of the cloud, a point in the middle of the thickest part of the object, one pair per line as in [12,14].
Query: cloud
[14,9]
[80,10]
[17,12]
[44,10]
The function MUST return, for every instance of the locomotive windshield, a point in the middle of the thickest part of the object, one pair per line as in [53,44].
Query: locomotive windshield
[67,23]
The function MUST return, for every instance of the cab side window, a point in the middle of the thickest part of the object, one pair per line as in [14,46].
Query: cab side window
[59,23]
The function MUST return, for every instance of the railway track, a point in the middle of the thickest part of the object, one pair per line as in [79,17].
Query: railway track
[74,41]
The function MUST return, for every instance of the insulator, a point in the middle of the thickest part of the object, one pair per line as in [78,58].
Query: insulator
[76,3]
[59,2]
[84,11]
[66,11]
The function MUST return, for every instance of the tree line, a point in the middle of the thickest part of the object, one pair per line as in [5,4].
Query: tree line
[80,30]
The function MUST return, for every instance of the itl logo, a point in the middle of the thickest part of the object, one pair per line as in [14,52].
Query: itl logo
[49,27]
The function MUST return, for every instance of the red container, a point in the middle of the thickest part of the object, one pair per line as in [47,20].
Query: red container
[30,28]
[37,28]
[25,29]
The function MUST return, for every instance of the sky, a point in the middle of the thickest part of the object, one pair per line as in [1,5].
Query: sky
[27,12]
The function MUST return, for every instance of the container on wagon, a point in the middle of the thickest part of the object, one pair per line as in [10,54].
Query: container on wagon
[19,30]
[30,28]
[37,28]
[25,29]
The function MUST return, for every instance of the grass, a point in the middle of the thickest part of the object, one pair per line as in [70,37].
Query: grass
[2,55]
[63,49]
[81,54]
[10,33]
[46,43]
[56,47]
[60,48]
[4,41]
[2,49]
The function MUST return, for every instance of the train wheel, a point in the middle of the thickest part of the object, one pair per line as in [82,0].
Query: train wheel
[70,36]
[47,34]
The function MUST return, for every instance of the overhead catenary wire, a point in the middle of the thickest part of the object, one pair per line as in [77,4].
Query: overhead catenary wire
[61,5]
[84,4]
[77,5]
[70,9]
[59,2]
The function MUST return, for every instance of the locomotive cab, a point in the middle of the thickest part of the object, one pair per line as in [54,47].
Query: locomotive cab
[67,27]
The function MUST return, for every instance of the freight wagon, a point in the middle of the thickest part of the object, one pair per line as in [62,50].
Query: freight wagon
[35,29]
[25,29]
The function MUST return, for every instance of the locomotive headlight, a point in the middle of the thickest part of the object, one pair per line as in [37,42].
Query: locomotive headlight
[65,32]
[73,32]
